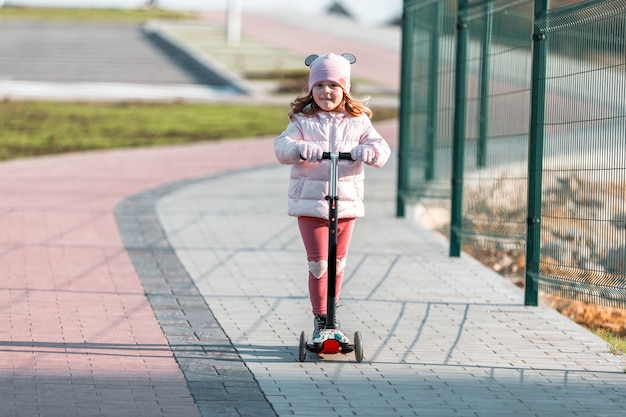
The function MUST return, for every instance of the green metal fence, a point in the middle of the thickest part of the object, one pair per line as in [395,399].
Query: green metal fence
[427,103]
[490,149]
[512,122]
[580,236]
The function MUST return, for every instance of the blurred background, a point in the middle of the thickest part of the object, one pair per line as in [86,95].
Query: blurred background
[95,74]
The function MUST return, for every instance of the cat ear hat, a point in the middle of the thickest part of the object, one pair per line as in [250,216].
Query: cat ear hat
[330,67]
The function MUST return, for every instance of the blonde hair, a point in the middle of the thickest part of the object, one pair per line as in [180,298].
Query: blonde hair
[306,105]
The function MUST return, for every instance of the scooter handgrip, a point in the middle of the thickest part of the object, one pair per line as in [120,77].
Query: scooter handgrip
[342,155]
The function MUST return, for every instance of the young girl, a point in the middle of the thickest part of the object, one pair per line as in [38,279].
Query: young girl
[327,119]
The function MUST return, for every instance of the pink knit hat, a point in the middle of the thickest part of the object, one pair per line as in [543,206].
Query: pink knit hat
[330,67]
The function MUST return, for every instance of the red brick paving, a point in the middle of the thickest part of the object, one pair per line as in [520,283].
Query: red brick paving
[79,336]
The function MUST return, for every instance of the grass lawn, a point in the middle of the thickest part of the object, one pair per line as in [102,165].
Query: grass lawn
[41,128]
[90,14]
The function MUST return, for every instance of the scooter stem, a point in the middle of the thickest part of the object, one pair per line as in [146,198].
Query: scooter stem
[332,241]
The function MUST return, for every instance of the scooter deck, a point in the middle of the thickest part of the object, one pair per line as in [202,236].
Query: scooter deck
[333,341]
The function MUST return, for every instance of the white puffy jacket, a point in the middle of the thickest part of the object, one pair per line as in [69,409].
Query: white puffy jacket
[334,132]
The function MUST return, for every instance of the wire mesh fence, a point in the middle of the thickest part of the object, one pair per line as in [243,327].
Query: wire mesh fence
[583,210]
[427,102]
[530,162]
[497,108]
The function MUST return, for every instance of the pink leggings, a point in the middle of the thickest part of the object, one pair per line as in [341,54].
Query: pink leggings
[314,233]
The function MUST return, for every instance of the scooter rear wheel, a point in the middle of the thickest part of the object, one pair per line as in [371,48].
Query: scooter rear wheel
[302,347]
[358,347]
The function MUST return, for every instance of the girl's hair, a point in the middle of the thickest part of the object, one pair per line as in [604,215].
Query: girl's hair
[306,105]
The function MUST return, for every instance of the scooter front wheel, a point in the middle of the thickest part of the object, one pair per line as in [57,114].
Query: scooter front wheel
[302,347]
[358,347]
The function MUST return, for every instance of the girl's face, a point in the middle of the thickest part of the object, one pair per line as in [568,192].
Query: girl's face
[328,95]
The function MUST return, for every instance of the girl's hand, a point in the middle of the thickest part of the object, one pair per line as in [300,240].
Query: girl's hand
[363,153]
[310,151]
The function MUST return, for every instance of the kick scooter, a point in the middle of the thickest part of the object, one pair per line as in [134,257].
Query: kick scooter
[333,340]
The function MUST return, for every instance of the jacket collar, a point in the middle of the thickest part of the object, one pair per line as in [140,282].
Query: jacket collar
[331,116]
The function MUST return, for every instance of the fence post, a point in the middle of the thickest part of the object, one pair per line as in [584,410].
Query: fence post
[433,92]
[485,69]
[404,131]
[458,145]
[535,157]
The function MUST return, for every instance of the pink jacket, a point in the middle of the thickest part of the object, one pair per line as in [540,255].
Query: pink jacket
[334,132]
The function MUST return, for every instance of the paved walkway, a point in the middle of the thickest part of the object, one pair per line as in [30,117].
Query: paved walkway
[169,282]
[100,61]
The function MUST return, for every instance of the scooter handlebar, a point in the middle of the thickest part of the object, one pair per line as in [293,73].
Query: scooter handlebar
[342,155]
[346,156]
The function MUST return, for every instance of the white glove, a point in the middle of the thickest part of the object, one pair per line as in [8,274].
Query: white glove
[310,151]
[363,153]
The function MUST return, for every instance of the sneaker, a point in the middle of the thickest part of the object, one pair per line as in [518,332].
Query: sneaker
[319,321]
[342,338]
[322,322]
